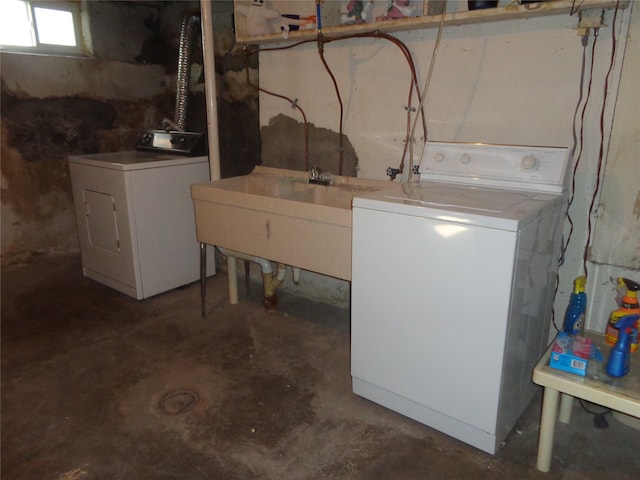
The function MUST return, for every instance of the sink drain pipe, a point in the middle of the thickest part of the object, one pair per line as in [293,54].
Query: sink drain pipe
[270,281]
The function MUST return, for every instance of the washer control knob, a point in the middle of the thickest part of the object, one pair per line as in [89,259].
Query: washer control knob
[530,163]
[439,157]
[465,159]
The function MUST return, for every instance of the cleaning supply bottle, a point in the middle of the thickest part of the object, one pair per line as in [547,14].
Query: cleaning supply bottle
[574,317]
[619,358]
[628,306]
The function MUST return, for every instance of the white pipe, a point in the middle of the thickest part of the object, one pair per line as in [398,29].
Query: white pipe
[264,264]
[296,274]
[232,280]
[209,59]
[282,271]
[270,281]
[232,272]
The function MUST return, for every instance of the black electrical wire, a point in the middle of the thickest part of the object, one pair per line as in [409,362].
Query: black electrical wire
[600,164]
[585,41]
[582,115]
[578,157]
[599,418]
[578,143]
[604,412]
[575,8]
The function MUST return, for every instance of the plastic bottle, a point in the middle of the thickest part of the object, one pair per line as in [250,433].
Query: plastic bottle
[628,306]
[619,358]
[574,317]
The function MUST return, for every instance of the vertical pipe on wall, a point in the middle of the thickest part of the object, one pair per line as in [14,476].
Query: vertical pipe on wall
[208,54]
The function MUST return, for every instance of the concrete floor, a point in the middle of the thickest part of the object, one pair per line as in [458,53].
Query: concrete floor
[96,385]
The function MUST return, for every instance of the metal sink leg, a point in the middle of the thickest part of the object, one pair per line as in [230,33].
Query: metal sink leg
[203,279]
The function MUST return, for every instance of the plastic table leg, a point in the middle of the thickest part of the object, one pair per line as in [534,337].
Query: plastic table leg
[547,428]
[566,403]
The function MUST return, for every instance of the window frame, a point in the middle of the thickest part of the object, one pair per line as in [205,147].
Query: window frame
[75,8]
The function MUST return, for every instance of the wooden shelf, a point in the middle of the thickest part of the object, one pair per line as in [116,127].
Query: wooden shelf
[513,12]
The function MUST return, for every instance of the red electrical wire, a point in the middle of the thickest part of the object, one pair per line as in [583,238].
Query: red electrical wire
[321,41]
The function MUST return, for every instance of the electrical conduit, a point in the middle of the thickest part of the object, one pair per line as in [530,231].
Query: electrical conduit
[189,23]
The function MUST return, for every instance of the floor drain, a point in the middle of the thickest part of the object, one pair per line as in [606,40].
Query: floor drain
[178,401]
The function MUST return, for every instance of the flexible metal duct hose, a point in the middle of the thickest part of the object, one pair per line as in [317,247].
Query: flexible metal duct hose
[184,68]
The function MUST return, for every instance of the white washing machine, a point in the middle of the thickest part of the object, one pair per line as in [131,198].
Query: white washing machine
[135,219]
[452,286]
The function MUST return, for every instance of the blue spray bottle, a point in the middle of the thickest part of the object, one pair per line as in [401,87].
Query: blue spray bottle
[619,358]
[574,317]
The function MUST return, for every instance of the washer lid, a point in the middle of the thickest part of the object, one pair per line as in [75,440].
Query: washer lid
[476,199]
[483,206]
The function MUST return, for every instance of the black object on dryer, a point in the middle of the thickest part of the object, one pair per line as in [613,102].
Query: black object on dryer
[172,141]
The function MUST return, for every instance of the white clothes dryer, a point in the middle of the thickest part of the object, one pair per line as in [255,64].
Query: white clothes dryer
[135,218]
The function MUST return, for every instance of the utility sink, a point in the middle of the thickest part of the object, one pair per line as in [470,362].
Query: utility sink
[335,196]
[275,214]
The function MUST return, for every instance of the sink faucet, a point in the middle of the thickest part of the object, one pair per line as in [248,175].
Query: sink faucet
[316,177]
[314,174]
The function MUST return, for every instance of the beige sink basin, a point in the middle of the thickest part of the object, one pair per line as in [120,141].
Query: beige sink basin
[336,196]
[275,214]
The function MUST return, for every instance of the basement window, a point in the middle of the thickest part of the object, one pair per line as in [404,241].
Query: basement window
[46,27]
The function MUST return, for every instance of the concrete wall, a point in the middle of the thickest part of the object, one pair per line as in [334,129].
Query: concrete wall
[516,81]
[508,82]
[53,107]
[615,250]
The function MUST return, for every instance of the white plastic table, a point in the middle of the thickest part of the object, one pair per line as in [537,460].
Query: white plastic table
[621,394]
